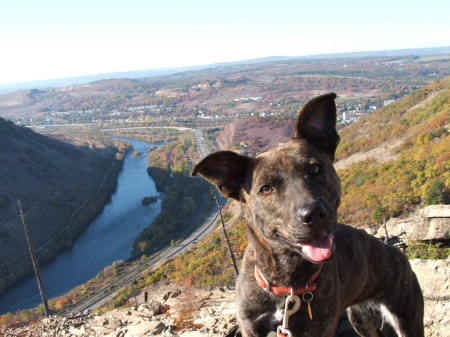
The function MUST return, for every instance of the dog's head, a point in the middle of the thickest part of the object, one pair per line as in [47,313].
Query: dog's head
[292,191]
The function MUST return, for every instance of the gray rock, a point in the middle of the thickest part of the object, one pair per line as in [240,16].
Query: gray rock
[166,296]
[436,211]
[430,223]
[176,293]
[152,308]
[158,328]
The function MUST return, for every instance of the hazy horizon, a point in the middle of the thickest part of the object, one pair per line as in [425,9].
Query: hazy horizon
[51,39]
[5,87]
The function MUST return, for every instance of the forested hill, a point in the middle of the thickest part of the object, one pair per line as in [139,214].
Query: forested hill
[397,158]
[61,186]
[424,109]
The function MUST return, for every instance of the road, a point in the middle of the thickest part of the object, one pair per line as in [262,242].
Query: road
[198,232]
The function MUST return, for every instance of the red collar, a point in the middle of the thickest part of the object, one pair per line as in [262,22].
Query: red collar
[286,291]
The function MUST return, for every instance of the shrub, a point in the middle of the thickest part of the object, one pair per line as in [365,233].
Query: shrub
[427,251]
[437,194]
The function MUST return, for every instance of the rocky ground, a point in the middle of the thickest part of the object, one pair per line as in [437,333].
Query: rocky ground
[173,310]
[434,278]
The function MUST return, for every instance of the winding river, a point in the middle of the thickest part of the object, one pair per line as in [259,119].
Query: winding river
[107,239]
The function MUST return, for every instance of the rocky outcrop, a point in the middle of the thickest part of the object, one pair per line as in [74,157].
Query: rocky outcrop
[429,223]
[174,311]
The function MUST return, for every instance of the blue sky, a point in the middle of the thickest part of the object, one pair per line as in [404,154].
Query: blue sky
[45,39]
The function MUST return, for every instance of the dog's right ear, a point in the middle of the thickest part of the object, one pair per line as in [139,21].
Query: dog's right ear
[226,170]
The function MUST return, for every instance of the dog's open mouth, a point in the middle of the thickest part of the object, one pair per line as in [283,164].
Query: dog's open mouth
[319,247]
[316,248]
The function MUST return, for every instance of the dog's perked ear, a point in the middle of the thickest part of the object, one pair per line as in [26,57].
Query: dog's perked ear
[226,170]
[317,123]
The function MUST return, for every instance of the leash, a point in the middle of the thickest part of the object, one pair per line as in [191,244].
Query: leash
[292,295]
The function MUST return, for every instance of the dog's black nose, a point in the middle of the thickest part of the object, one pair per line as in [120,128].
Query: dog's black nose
[312,213]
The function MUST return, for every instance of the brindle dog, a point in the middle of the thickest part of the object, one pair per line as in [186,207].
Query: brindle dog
[291,194]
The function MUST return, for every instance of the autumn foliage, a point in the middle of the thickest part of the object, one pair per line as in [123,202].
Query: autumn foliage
[419,175]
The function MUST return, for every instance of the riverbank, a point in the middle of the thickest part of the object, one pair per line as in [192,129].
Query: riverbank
[185,199]
[107,239]
[69,214]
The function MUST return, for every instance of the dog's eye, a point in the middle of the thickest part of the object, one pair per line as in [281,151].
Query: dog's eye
[266,189]
[314,169]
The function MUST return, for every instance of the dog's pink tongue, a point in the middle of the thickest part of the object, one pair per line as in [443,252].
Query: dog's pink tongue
[319,247]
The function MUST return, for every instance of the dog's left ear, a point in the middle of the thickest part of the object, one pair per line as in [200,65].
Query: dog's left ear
[226,170]
[317,123]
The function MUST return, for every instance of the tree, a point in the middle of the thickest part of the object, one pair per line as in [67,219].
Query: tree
[143,246]
[437,194]
[379,213]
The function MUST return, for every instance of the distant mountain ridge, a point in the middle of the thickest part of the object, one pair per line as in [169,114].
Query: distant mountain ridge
[63,82]
[61,186]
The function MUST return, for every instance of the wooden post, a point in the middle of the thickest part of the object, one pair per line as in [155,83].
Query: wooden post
[35,262]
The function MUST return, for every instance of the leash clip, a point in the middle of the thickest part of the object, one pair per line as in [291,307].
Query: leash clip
[283,330]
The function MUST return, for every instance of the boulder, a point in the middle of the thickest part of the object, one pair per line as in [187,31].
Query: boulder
[152,308]
[139,329]
[434,279]
[430,223]
[436,211]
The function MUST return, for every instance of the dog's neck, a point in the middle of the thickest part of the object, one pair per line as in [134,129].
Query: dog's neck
[281,266]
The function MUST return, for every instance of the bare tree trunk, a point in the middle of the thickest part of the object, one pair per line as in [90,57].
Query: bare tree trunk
[385,230]
[35,262]
[233,260]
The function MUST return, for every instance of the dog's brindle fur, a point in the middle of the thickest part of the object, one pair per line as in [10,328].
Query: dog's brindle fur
[291,193]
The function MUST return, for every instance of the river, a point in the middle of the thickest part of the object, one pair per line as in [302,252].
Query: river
[108,238]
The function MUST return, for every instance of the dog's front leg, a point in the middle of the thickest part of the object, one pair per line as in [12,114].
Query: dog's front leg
[257,315]
[258,328]
[246,328]
[258,312]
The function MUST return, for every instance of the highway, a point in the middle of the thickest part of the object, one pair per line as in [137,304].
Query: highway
[198,232]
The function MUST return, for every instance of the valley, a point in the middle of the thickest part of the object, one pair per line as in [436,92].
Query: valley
[393,159]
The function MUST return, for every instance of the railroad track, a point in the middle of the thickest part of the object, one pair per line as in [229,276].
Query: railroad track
[107,291]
